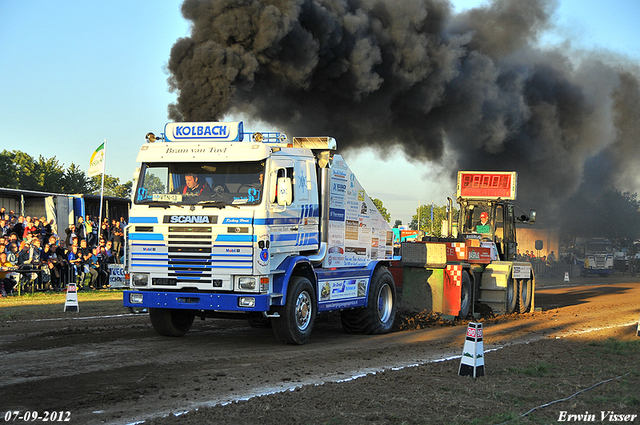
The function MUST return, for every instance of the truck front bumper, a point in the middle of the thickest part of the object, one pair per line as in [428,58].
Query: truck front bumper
[599,271]
[197,301]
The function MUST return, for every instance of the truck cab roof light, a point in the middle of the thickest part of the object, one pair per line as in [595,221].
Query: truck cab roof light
[152,138]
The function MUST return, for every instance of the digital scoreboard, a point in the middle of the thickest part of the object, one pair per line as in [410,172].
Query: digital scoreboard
[487,185]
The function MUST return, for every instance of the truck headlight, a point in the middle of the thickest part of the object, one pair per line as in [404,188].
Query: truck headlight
[246,283]
[135,298]
[140,279]
[246,302]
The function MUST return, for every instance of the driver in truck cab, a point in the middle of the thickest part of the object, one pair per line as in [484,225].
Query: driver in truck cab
[193,187]
[483,226]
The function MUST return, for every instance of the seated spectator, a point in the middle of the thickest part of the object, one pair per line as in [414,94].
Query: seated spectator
[18,227]
[13,238]
[110,258]
[29,227]
[12,254]
[51,273]
[4,227]
[48,229]
[24,258]
[39,225]
[24,262]
[551,258]
[6,283]
[84,251]
[36,252]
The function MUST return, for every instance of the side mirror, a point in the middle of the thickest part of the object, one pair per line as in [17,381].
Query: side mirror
[273,180]
[532,216]
[284,191]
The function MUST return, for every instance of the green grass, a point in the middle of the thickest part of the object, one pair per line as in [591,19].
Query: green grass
[42,298]
[622,348]
[538,369]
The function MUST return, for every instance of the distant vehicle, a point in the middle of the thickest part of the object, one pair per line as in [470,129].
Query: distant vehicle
[594,256]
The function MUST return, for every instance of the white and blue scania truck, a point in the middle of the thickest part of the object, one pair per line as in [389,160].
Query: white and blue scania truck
[227,223]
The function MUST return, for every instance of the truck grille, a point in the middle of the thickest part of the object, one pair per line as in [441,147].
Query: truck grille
[600,261]
[193,255]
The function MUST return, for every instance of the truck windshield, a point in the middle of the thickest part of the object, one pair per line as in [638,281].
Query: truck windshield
[207,183]
[476,219]
[600,247]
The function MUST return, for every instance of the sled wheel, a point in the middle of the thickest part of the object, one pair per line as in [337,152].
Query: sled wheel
[465,296]
[512,295]
[525,295]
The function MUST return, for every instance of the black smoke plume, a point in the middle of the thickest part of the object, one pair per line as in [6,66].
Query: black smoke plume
[412,74]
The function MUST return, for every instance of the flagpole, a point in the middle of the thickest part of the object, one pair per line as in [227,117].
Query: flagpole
[104,168]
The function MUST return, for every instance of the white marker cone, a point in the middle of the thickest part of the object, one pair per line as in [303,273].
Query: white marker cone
[472,361]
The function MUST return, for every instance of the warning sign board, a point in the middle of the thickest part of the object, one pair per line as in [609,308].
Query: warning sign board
[71,304]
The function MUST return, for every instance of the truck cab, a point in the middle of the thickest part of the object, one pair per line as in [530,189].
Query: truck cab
[595,256]
[500,227]
[228,223]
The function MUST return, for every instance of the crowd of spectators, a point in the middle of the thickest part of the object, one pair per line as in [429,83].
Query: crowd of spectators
[546,265]
[79,253]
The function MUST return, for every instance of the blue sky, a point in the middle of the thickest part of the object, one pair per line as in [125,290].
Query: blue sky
[75,73]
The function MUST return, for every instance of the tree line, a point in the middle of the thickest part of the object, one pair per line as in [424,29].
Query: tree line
[19,170]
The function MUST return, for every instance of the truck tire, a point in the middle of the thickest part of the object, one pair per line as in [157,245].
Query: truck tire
[259,322]
[298,315]
[465,295]
[512,295]
[379,314]
[525,295]
[171,322]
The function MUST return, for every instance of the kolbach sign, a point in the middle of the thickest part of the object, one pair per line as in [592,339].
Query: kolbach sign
[204,131]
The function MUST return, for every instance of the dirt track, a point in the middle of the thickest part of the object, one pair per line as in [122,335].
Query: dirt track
[106,366]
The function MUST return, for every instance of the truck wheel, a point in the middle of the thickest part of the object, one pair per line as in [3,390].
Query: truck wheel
[525,295]
[512,295]
[170,322]
[378,316]
[465,296]
[259,322]
[298,314]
